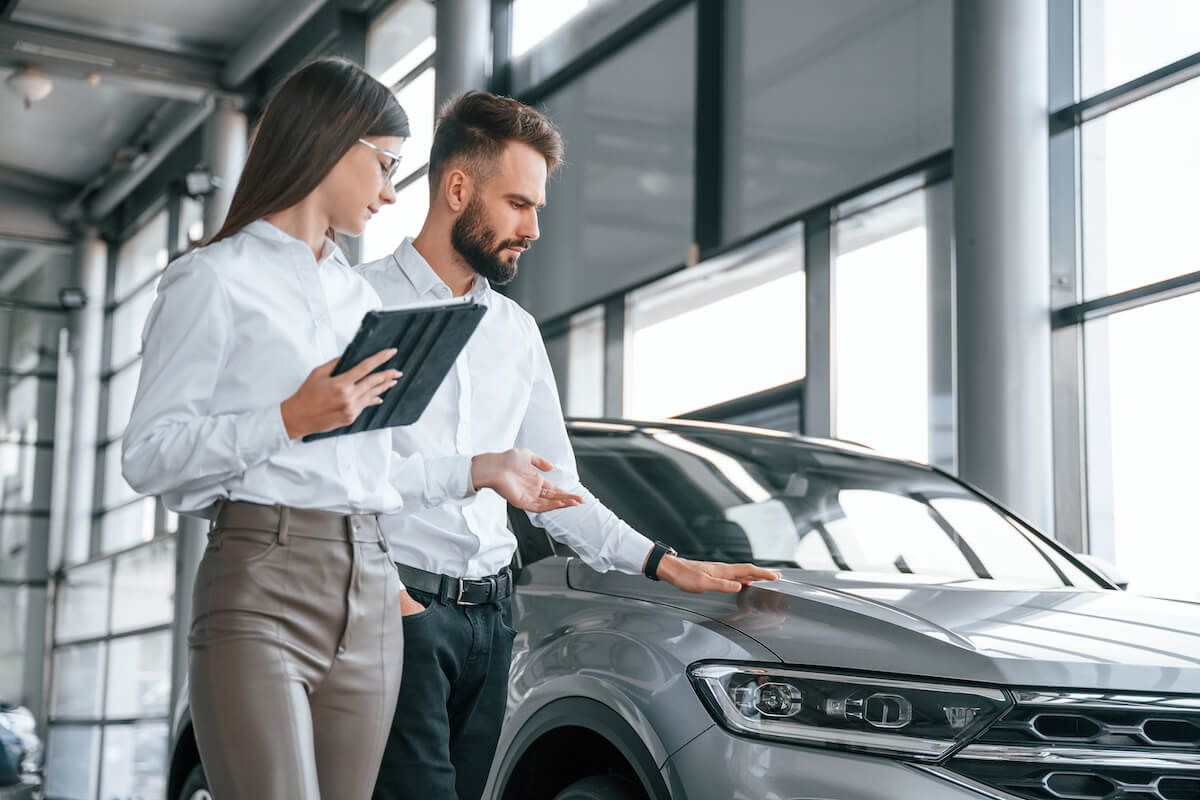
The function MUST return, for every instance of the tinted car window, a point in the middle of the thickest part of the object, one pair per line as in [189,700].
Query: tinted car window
[733,496]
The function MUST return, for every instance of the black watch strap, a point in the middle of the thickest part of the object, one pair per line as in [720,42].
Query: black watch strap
[656,557]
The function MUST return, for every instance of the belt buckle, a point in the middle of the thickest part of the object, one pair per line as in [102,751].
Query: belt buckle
[459,600]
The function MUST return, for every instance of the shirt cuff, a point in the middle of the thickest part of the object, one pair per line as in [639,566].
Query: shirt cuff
[632,553]
[447,478]
[261,434]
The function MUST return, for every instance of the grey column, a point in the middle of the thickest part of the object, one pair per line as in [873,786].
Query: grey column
[225,143]
[87,328]
[464,43]
[1001,224]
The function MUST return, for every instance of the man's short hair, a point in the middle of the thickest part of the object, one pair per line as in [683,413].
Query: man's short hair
[474,128]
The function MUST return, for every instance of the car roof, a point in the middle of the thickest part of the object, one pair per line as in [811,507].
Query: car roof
[618,425]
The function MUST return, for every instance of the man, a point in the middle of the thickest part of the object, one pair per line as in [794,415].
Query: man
[488,167]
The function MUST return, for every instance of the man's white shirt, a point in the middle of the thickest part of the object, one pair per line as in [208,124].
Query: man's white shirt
[500,394]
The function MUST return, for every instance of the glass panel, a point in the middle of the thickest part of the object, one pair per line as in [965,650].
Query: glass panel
[18,532]
[144,586]
[128,525]
[697,338]
[135,761]
[547,34]
[825,97]
[83,602]
[393,223]
[24,477]
[585,364]
[139,676]
[121,389]
[14,606]
[881,329]
[116,490]
[621,210]
[731,496]
[1142,436]
[417,101]
[128,321]
[72,762]
[1140,168]
[144,254]
[1121,40]
[78,681]
[399,40]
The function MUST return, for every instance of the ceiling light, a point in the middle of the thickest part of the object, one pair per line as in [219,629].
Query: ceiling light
[31,83]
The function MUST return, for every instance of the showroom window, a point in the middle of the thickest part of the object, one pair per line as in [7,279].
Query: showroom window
[717,331]
[1126,301]
[111,665]
[621,210]
[400,49]
[889,343]
[30,324]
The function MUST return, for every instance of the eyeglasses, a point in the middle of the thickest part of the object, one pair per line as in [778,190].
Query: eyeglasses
[393,165]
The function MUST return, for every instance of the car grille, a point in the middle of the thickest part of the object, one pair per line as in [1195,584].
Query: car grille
[1074,746]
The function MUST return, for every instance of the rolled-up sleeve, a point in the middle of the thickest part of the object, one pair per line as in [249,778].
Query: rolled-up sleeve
[173,443]
[591,529]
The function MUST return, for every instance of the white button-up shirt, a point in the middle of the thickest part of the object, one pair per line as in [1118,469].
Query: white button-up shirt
[236,328]
[500,394]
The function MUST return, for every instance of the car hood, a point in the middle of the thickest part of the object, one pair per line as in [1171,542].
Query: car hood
[982,631]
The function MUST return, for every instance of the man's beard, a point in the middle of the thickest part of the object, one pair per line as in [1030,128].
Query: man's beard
[476,242]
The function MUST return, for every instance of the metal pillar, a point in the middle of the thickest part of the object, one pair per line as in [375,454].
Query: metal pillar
[464,42]
[1001,204]
[87,325]
[225,142]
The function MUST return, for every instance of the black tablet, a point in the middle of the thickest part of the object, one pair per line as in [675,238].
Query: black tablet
[427,338]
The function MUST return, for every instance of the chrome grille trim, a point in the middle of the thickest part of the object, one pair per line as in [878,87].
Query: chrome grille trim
[1078,757]
[1117,701]
[1088,746]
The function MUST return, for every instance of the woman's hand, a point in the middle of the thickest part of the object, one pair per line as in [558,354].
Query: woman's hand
[325,401]
[516,475]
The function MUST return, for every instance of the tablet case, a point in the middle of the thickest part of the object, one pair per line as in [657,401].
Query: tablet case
[427,339]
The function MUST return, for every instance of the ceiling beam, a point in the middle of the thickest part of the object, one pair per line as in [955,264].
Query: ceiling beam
[139,69]
[35,183]
[26,264]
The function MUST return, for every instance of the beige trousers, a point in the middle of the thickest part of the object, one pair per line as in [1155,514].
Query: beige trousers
[296,653]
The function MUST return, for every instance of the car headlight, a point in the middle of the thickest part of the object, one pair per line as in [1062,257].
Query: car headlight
[909,719]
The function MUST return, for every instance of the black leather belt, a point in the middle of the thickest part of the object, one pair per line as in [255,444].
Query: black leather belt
[462,591]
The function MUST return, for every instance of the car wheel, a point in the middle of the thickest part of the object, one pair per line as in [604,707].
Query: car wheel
[196,786]
[602,787]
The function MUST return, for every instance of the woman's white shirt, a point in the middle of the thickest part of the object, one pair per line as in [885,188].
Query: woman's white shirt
[236,327]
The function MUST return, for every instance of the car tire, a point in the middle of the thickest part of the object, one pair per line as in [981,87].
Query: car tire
[602,787]
[196,786]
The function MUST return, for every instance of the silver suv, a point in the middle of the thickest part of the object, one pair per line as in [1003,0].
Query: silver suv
[923,643]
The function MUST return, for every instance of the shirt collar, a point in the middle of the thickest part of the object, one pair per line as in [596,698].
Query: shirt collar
[265,230]
[425,281]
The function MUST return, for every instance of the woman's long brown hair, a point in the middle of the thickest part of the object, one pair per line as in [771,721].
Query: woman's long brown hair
[317,114]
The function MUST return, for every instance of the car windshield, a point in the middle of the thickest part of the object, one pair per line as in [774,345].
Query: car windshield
[722,495]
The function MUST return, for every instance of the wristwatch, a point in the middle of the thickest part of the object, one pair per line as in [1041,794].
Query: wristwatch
[656,557]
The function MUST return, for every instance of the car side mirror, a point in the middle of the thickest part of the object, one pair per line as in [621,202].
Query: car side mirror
[1106,568]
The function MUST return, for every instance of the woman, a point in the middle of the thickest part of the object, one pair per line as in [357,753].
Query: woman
[296,637]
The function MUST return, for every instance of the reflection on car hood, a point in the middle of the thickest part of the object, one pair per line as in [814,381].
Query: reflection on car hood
[980,631]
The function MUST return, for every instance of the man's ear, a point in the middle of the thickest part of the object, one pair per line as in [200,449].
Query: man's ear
[457,187]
